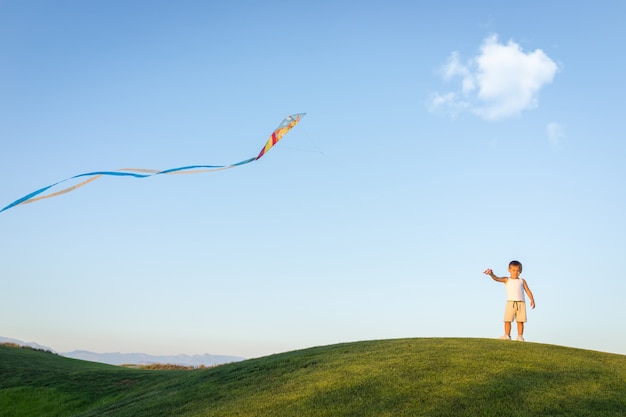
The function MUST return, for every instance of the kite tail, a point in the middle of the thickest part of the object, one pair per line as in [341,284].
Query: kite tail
[282,129]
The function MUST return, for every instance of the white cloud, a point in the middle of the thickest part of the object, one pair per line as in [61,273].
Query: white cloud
[454,67]
[555,133]
[500,82]
[452,104]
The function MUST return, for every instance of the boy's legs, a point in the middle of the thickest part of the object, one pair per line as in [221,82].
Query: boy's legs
[509,316]
[520,318]
[515,310]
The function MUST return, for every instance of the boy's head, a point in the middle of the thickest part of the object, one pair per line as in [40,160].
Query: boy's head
[517,264]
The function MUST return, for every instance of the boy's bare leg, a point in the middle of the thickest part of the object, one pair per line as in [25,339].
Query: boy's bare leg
[520,328]
[507,328]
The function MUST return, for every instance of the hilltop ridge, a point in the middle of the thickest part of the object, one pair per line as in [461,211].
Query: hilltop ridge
[403,377]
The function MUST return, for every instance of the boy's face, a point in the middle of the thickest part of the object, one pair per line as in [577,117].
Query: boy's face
[514,271]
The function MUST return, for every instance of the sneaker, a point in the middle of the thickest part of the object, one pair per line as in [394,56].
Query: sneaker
[520,338]
[505,337]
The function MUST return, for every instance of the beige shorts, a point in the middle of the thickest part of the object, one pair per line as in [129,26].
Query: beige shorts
[515,310]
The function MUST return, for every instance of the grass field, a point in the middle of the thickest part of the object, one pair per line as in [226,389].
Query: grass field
[403,377]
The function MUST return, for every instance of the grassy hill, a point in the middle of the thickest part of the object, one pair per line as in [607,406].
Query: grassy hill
[403,377]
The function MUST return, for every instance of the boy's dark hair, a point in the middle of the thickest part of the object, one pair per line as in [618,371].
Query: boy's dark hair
[516,263]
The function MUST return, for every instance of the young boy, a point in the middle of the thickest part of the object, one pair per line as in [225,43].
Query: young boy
[515,304]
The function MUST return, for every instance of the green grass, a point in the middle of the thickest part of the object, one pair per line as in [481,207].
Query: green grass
[403,377]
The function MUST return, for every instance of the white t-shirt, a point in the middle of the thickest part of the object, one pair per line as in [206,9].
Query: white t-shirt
[515,290]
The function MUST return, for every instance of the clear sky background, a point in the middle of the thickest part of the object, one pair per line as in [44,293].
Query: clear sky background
[441,139]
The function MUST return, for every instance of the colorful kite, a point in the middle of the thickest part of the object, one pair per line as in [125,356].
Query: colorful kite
[282,129]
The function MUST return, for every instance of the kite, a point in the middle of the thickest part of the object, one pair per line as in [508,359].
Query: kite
[285,126]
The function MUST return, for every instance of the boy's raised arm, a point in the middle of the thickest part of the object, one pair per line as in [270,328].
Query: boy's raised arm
[489,272]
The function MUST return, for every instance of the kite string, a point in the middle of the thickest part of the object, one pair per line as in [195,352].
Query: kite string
[310,139]
[316,148]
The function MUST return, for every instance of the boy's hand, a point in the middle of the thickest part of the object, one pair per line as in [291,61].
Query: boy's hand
[488,271]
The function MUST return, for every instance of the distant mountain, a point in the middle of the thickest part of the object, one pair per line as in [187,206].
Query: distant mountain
[29,344]
[145,359]
[134,358]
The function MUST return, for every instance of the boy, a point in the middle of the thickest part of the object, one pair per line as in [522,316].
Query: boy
[515,304]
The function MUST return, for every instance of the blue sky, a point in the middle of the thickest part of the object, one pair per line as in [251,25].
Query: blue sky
[439,140]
